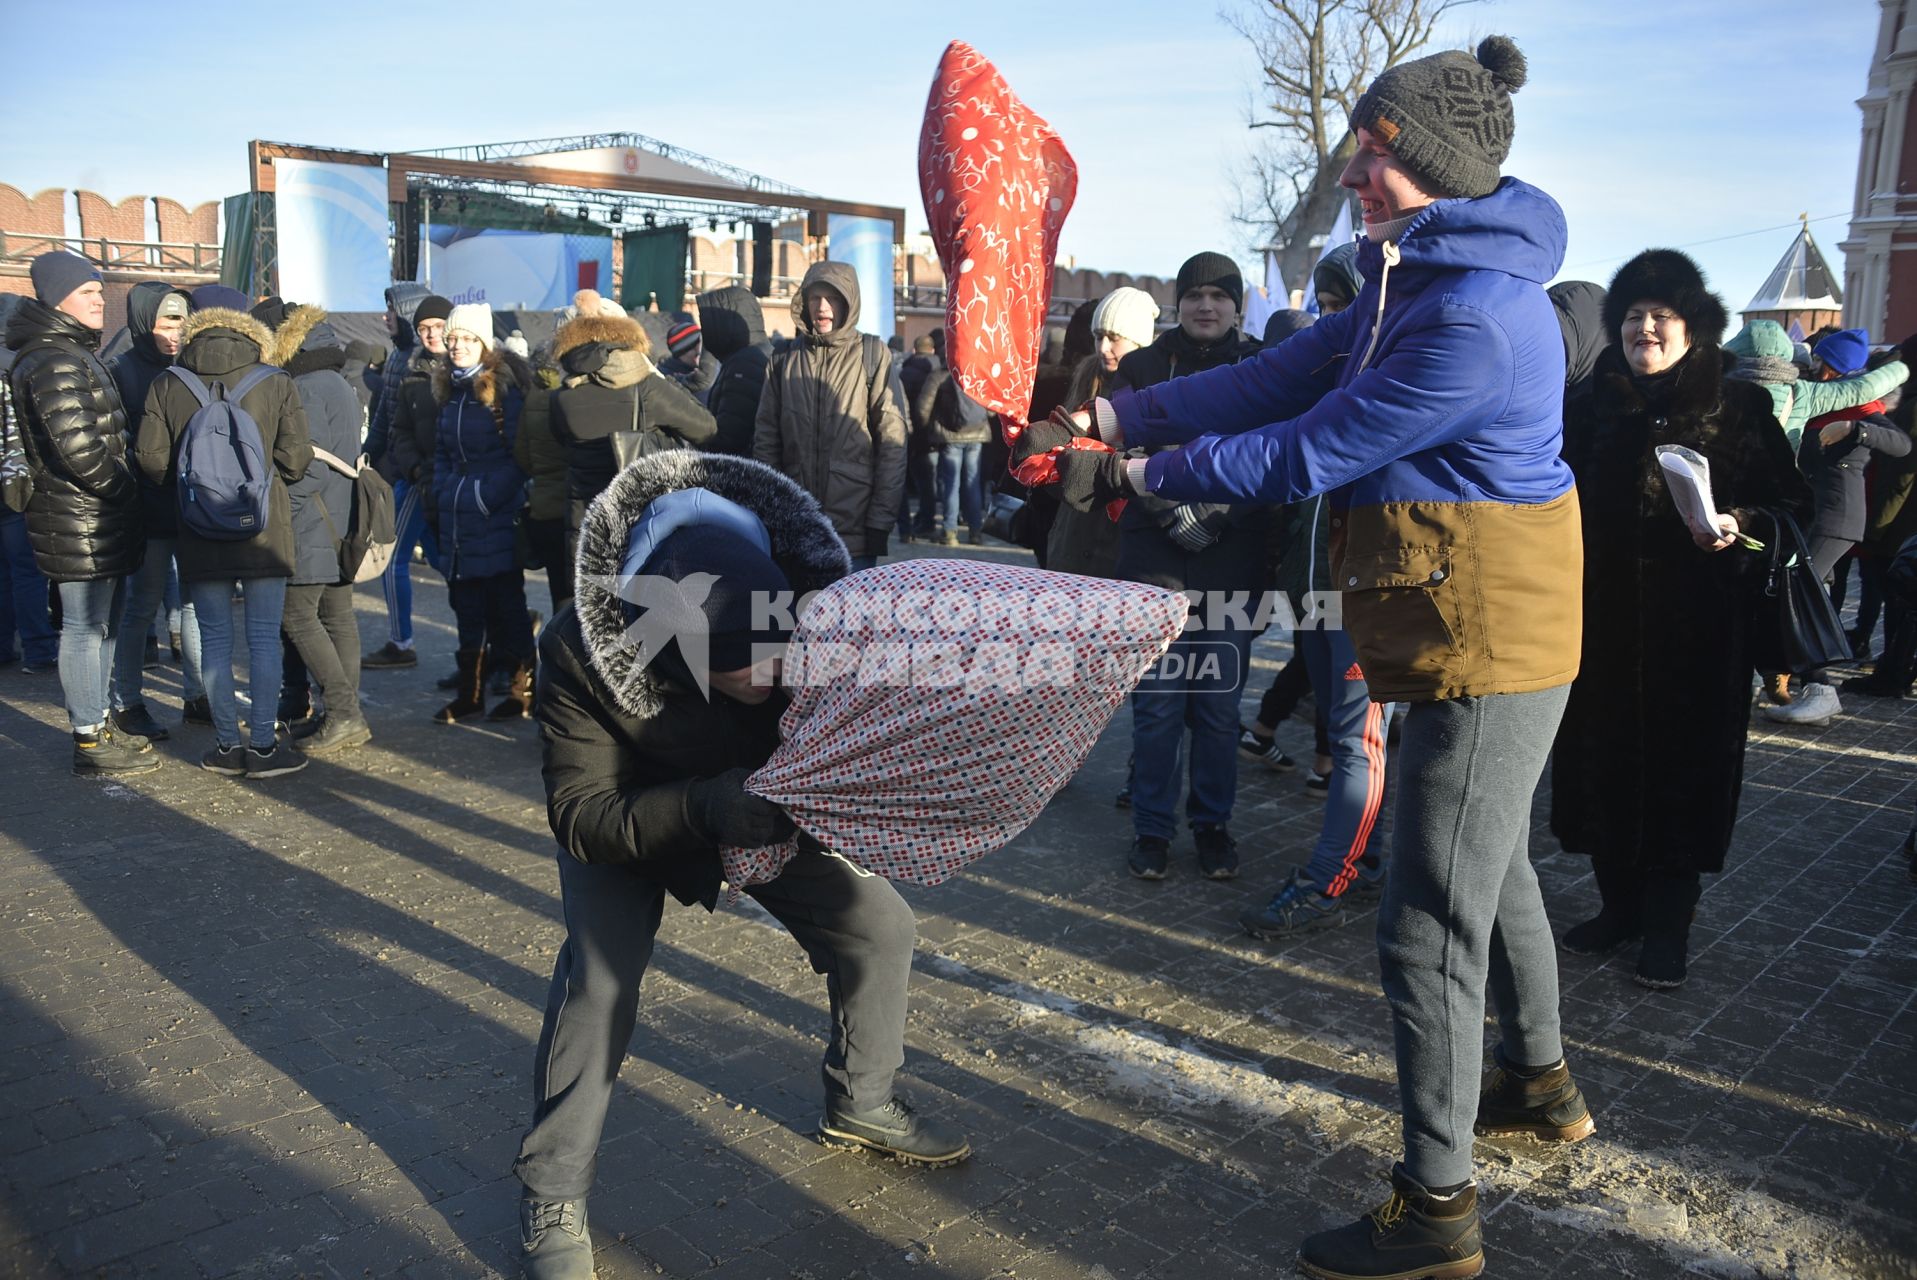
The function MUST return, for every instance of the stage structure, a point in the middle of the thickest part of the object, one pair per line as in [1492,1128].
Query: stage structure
[522,225]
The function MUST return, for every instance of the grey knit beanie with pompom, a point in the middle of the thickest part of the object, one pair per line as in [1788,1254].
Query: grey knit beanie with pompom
[1448,116]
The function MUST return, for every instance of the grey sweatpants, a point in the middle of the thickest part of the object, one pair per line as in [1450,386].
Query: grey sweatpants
[1462,907]
[856,930]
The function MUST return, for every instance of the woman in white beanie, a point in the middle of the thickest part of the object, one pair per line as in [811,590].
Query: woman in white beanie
[478,490]
[1125,319]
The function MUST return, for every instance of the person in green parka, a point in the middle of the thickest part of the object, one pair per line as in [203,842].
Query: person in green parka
[1763,352]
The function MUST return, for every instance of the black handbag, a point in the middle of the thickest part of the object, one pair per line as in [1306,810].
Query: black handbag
[1807,630]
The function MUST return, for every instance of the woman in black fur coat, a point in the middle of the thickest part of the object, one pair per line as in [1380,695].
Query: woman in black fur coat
[1649,760]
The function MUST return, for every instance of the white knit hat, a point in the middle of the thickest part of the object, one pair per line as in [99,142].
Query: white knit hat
[1130,313]
[475,318]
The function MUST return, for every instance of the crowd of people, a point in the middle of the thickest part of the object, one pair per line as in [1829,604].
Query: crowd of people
[1446,468]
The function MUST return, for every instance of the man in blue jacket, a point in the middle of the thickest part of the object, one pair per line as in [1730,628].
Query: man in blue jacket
[1431,411]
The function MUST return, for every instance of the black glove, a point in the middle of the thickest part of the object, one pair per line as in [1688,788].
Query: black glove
[1090,478]
[876,541]
[727,814]
[1040,437]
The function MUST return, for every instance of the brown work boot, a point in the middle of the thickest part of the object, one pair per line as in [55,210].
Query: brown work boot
[1544,1104]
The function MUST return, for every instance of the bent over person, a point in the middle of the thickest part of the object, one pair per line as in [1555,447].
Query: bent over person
[1455,540]
[649,738]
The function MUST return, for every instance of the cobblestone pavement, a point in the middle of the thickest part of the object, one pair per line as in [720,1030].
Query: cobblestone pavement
[286,1029]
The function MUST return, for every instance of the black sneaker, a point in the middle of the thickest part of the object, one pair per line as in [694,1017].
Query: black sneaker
[196,711]
[1265,751]
[1296,908]
[894,1130]
[105,754]
[389,655]
[1602,934]
[228,762]
[282,758]
[1318,785]
[554,1241]
[1875,686]
[1544,1104]
[139,722]
[1123,800]
[1368,882]
[1413,1235]
[306,726]
[1149,857]
[1217,852]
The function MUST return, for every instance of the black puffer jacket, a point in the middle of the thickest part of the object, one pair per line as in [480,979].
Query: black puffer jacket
[624,738]
[228,345]
[84,519]
[610,386]
[734,329]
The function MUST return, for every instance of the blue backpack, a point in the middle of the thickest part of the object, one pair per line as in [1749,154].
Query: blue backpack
[225,480]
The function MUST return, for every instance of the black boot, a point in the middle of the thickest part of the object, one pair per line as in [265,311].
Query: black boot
[1412,1234]
[467,693]
[1543,1103]
[1616,922]
[1669,906]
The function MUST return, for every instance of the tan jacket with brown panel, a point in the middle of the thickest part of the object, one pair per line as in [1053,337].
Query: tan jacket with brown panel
[828,426]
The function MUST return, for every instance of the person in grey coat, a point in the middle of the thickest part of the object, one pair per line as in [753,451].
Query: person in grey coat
[319,617]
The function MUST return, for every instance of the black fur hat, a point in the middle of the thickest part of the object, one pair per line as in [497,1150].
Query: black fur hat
[1670,277]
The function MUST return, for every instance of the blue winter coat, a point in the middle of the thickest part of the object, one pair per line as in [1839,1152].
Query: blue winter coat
[478,488]
[1431,410]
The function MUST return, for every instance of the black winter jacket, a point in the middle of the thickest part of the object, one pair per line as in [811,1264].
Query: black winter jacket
[624,739]
[734,329]
[84,518]
[134,369]
[1836,472]
[1146,552]
[228,345]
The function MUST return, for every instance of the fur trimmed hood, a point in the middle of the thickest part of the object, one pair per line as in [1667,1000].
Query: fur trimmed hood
[292,332]
[237,323]
[617,332]
[497,365]
[803,545]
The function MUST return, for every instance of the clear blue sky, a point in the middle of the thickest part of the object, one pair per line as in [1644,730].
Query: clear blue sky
[1674,123]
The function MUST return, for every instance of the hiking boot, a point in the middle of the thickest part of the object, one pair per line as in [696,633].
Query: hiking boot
[1217,852]
[1368,880]
[1149,857]
[228,762]
[1264,750]
[105,754]
[1602,934]
[279,759]
[1813,708]
[1413,1235]
[1778,690]
[1543,1103]
[469,685]
[196,711]
[893,1129]
[338,733]
[388,656]
[1296,908]
[554,1240]
[138,722]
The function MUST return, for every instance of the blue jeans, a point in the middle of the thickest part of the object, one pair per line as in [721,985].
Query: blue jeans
[1196,685]
[88,611]
[1462,910]
[145,597]
[1355,727]
[414,531]
[958,484]
[23,597]
[265,605]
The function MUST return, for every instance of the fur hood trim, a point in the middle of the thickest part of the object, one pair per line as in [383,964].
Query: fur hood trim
[498,366]
[237,322]
[803,545]
[615,331]
[292,332]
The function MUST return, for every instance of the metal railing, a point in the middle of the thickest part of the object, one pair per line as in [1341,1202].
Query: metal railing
[111,254]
